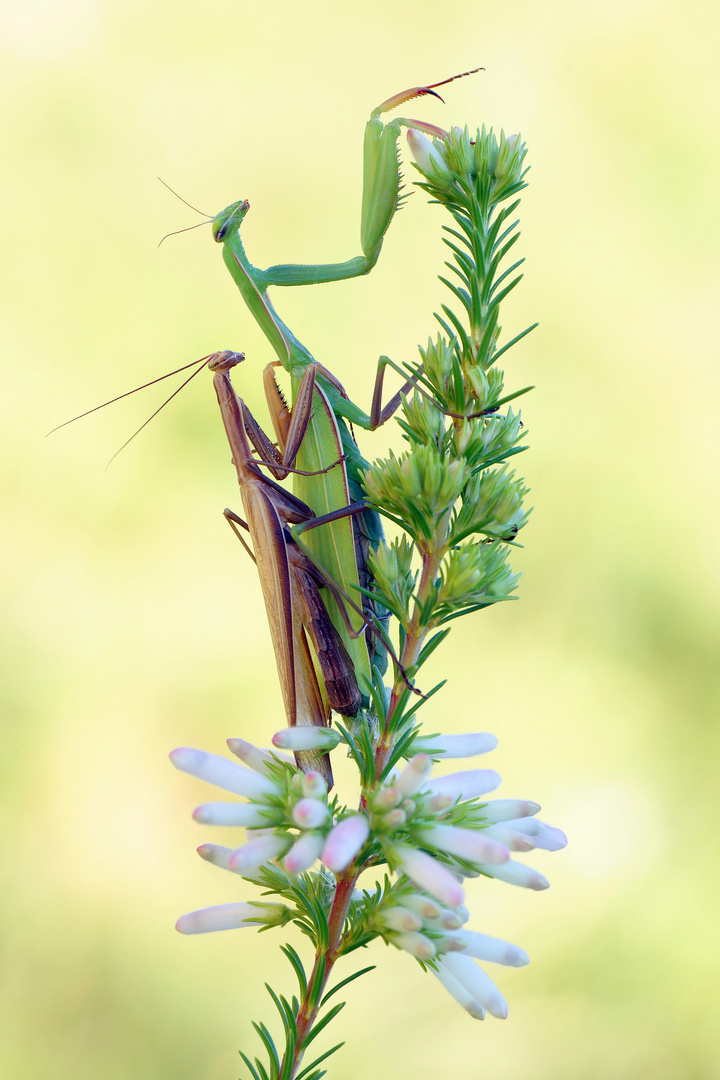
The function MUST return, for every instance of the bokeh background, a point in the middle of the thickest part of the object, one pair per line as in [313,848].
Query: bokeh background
[132,621]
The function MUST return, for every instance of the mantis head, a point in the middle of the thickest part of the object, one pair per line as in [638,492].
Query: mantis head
[223,361]
[229,218]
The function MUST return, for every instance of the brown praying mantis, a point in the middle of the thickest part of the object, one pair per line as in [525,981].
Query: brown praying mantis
[290,581]
[317,674]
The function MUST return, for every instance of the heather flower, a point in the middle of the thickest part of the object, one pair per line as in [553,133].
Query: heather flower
[459,991]
[306,738]
[304,852]
[479,986]
[433,832]
[283,800]
[231,917]
[223,773]
[491,949]
[456,746]
[345,841]
[428,873]
[428,156]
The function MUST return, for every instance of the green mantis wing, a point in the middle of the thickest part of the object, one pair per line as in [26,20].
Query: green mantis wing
[331,545]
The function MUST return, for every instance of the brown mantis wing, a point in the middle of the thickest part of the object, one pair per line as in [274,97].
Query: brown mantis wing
[290,589]
[337,670]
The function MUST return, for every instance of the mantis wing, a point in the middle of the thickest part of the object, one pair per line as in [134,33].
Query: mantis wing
[332,546]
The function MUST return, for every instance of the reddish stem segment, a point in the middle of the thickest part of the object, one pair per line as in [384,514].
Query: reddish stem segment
[336,921]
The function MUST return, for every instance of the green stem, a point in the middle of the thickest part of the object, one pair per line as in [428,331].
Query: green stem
[414,640]
[324,958]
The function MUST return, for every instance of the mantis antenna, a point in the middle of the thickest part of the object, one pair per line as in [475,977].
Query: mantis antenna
[197,364]
[128,393]
[152,416]
[209,216]
[176,232]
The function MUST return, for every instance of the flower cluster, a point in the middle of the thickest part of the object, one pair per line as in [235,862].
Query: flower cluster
[431,832]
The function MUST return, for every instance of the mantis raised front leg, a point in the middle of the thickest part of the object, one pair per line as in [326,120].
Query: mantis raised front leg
[335,547]
[289,582]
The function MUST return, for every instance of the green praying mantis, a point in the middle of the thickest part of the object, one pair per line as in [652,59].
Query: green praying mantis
[340,548]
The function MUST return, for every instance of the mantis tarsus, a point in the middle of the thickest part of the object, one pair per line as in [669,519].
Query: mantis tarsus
[335,548]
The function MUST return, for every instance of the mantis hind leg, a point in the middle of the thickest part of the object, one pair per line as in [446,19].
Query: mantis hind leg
[233,521]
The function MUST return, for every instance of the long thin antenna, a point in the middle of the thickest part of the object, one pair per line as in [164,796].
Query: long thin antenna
[195,207]
[176,232]
[201,364]
[129,392]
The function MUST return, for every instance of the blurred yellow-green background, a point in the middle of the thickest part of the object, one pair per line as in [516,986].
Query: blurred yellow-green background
[132,621]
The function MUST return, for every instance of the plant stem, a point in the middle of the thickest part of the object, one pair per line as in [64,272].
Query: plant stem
[414,639]
[326,957]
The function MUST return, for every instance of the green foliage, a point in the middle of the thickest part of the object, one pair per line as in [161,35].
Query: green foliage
[280,1061]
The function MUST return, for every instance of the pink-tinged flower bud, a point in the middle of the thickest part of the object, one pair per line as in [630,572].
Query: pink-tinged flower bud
[529,826]
[248,859]
[464,843]
[457,746]
[414,775]
[215,854]
[513,839]
[515,873]
[492,949]
[449,920]
[423,906]
[314,785]
[551,839]
[437,803]
[344,842]
[303,853]
[394,818]
[416,944]
[223,773]
[231,917]
[255,758]
[401,919]
[386,799]
[310,813]
[429,874]
[456,989]
[244,815]
[508,809]
[466,785]
[451,943]
[477,983]
[427,157]
[306,738]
